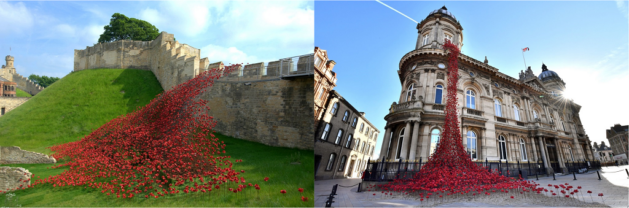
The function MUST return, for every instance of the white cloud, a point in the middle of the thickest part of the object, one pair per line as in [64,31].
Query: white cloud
[622,6]
[189,18]
[227,55]
[14,17]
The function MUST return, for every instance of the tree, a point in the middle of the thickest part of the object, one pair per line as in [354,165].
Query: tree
[43,81]
[123,28]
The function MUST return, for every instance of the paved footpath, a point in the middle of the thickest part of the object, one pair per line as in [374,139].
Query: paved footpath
[614,186]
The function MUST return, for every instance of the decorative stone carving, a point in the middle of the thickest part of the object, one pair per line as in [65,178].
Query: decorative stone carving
[498,94]
[486,88]
[486,61]
[440,75]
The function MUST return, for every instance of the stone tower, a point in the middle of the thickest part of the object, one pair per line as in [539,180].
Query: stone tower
[9,67]
[438,26]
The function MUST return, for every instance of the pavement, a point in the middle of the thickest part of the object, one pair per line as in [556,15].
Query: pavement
[614,185]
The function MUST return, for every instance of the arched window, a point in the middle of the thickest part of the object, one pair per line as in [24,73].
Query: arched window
[345,116]
[503,147]
[357,145]
[434,140]
[349,141]
[354,122]
[471,144]
[534,113]
[339,136]
[439,94]
[371,152]
[410,92]
[571,155]
[562,125]
[425,41]
[523,150]
[342,164]
[331,162]
[363,149]
[516,112]
[367,132]
[358,166]
[367,149]
[326,131]
[362,126]
[335,108]
[320,93]
[399,144]
[470,101]
[497,108]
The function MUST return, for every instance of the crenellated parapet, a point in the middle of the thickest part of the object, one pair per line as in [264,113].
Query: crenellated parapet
[26,84]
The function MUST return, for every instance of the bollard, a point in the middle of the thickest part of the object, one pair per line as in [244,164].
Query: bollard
[554,176]
[627,171]
[359,187]
[574,175]
[599,175]
[536,176]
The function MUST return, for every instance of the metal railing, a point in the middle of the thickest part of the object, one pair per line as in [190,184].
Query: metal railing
[388,171]
[297,65]
[470,111]
[438,107]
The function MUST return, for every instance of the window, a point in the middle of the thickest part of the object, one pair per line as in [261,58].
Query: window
[434,140]
[399,144]
[345,116]
[326,131]
[354,122]
[358,166]
[425,40]
[342,164]
[362,125]
[497,108]
[410,93]
[331,162]
[335,108]
[447,37]
[470,101]
[516,112]
[367,132]
[534,113]
[363,149]
[317,60]
[349,141]
[439,94]
[523,150]
[320,93]
[471,144]
[357,145]
[339,136]
[371,152]
[503,147]
[564,127]
[571,156]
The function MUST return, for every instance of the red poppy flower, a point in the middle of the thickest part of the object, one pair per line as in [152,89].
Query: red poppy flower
[301,190]
[266,178]
[283,191]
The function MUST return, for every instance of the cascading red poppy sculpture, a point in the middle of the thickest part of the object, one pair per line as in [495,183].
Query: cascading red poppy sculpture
[154,150]
[450,168]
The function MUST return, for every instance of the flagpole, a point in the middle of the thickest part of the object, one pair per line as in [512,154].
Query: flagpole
[524,59]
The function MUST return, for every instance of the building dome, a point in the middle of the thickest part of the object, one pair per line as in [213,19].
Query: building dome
[443,11]
[547,74]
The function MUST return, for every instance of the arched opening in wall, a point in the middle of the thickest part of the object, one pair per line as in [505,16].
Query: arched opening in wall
[503,147]
[439,94]
[471,144]
[435,135]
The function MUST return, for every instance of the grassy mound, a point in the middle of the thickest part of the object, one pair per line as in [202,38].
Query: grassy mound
[288,169]
[75,105]
[21,93]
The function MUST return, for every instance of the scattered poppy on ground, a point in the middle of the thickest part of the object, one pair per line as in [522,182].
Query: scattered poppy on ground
[304,198]
[301,190]
[266,178]
[283,191]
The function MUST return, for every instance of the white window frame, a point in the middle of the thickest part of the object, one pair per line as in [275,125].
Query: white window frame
[335,108]
[348,144]
[425,41]
[342,163]
[470,99]
[331,161]
[434,137]
[410,92]
[326,131]
[339,137]
[497,107]
[345,116]
[502,144]
[440,100]
[516,112]
[523,150]
[471,145]
[398,150]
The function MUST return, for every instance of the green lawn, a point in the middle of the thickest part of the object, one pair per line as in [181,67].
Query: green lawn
[75,105]
[259,161]
[21,93]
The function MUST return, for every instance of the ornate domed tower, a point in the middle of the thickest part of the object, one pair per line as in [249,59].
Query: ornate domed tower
[551,81]
[438,26]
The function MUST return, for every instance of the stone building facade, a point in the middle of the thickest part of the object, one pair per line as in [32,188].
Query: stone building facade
[618,137]
[10,81]
[324,79]
[603,153]
[344,140]
[501,117]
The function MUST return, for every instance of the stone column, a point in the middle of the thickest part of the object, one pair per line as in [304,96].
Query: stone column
[534,150]
[544,158]
[430,95]
[405,142]
[385,143]
[464,136]
[414,141]
[425,152]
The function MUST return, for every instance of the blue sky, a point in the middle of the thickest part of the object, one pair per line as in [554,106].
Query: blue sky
[43,35]
[586,43]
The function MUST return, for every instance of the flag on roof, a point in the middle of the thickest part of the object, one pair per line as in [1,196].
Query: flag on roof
[525,49]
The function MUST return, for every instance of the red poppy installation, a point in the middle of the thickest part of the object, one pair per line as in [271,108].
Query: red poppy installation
[450,169]
[153,151]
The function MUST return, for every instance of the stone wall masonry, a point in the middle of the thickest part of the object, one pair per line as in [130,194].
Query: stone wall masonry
[275,112]
[10,103]
[26,84]
[12,178]
[15,155]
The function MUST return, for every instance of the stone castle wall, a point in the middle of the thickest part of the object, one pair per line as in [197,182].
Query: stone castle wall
[272,112]
[10,103]
[171,62]
[271,103]
[26,84]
